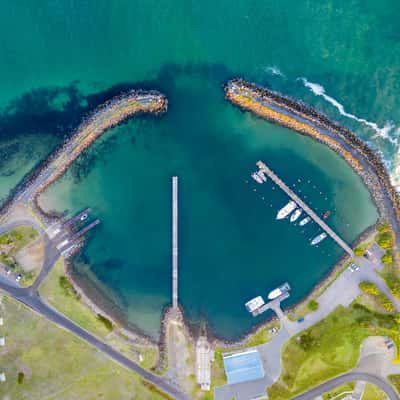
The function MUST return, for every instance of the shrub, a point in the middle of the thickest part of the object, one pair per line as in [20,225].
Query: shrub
[385,240]
[67,286]
[21,377]
[382,228]
[387,258]
[386,303]
[394,284]
[107,323]
[369,288]
[359,251]
[313,305]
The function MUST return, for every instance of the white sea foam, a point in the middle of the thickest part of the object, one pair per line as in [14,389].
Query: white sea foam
[387,132]
[274,71]
[383,133]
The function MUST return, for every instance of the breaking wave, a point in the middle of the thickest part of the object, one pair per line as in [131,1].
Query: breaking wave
[383,133]
[274,71]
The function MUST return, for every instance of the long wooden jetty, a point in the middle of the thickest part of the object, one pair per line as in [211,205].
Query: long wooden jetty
[263,167]
[175,242]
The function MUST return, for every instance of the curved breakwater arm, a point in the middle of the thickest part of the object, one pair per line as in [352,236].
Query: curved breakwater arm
[295,115]
[106,116]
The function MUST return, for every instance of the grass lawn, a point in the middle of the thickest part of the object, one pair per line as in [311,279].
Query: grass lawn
[76,310]
[56,365]
[329,348]
[18,238]
[372,392]
[395,379]
[13,241]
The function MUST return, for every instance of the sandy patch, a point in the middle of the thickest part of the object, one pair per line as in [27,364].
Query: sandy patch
[31,257]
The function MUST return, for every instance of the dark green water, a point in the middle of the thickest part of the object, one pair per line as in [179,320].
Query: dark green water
[61,59]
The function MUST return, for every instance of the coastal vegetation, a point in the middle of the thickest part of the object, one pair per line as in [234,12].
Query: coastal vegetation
[313,305]
[385,237]
[106,322]
[393,282]
[372,290]
[12,242]
[387,258]
[56,290]
[359,251]
[395,379]
[67,287]
[339,392]
[52,363]
[329,348]
[372,392]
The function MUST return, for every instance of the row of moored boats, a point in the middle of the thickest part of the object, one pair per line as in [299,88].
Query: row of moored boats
[291,210]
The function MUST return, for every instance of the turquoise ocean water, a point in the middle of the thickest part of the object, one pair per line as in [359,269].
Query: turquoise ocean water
[62,58]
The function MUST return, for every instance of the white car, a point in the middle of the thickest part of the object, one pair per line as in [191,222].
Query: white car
[18,278]
[353,267]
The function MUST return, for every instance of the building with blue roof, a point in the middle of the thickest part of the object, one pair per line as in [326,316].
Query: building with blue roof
[244,366]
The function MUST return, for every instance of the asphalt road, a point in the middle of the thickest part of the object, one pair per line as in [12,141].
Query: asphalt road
[30,297]
[350,377]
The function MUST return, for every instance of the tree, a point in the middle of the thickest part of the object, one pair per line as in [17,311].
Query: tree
[385,240]
[387,258]
[313,305]
[21,377]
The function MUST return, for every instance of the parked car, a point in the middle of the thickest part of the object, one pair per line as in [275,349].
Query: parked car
[353,267]
[300,320]
[18,278]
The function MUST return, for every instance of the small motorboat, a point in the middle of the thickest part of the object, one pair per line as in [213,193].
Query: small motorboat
[326,214]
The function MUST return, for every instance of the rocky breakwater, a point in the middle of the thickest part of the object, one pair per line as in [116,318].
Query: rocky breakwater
[301,118]
[113,112]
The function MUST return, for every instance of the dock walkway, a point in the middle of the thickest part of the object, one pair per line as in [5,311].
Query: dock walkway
[175,242]
[263,167]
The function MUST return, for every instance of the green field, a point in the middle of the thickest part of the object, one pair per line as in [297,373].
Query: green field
[55,365]
[329,348]
[372,392]
[69,304]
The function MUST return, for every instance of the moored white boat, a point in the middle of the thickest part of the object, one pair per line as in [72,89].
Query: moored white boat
[286,210]
[295,215]
[318,239]
[256,177]
[305,221]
